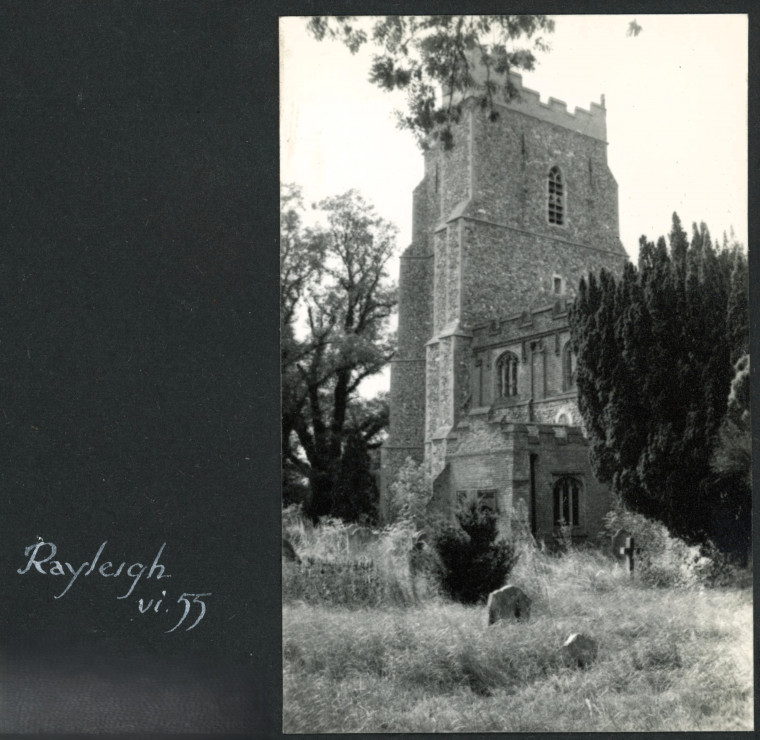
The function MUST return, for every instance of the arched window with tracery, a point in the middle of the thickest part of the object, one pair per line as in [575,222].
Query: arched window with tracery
[567,501]
[568,367]
[506,375]
[556,197]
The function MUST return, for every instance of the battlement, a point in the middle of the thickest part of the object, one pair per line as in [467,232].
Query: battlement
[592,122]
[540,320]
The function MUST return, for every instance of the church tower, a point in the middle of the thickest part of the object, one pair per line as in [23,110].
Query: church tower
[504,227]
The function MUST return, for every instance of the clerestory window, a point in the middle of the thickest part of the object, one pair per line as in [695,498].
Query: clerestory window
[506,373]
[556,197]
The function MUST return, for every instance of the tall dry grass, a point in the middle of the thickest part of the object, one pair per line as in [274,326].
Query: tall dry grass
[669,660]
[334,573]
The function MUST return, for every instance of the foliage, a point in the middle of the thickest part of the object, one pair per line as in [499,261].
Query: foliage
[334,573]
[733,454]
[355,494]
[409,494]
[664,561]
[419,54]
[336,298]
[475,561]
[654,369]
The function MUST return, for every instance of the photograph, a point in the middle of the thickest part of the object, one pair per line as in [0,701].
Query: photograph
[515,374]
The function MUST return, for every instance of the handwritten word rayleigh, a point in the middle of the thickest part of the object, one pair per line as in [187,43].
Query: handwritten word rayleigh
[56,568]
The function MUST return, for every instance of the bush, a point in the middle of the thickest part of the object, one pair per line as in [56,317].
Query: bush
[378,573]
[666,561]
[474,561]
[410,494]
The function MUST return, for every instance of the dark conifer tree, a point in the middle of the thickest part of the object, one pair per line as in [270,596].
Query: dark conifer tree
[655,362]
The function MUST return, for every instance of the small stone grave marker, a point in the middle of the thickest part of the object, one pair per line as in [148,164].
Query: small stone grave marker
[623,548]
[509,603]
[579,651]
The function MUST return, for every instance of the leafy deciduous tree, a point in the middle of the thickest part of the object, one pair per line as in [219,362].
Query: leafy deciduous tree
[336,299]
[420,54]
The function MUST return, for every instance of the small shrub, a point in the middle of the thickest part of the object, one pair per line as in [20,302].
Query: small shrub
[662,560]
[410,494]
[474,561]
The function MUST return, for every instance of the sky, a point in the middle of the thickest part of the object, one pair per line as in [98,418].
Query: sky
[676,99]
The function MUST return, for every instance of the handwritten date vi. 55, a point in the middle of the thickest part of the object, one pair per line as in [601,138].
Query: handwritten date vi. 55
[41,557]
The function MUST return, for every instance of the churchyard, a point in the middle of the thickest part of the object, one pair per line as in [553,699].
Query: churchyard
[370,647]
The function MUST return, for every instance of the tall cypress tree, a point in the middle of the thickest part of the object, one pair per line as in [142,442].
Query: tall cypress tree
[655,351]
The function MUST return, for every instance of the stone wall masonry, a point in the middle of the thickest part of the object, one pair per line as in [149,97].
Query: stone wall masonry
[454,169]
[435,456]
[571,457]
[478,279]
[407,403]
[445,384]
[486,455]
[505,271]
[432,410]
[548,318]
[491,471]
[415,324]
[513,159]
[440,282]
[453,275]
[552,365]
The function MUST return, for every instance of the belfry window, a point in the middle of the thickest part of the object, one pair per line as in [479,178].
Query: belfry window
[568,367]
[506,373]
[567,501]
[556,197]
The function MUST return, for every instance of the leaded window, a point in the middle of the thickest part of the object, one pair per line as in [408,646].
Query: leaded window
[556,197]
[567,501]
[506,373]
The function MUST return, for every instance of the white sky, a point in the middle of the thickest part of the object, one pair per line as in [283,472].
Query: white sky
[676,98]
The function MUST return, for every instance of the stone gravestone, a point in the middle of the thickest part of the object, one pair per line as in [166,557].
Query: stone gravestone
[623,548]
[579,651]
[618,543]
[508,602]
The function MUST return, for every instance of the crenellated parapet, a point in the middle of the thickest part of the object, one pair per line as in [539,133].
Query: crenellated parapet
[591,122]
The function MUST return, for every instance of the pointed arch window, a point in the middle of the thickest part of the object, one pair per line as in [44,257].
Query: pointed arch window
[506,374]
[556,197]
[568,367]
[567,501]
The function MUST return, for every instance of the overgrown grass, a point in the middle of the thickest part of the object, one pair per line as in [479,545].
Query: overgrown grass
[333,573]
[669,660]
